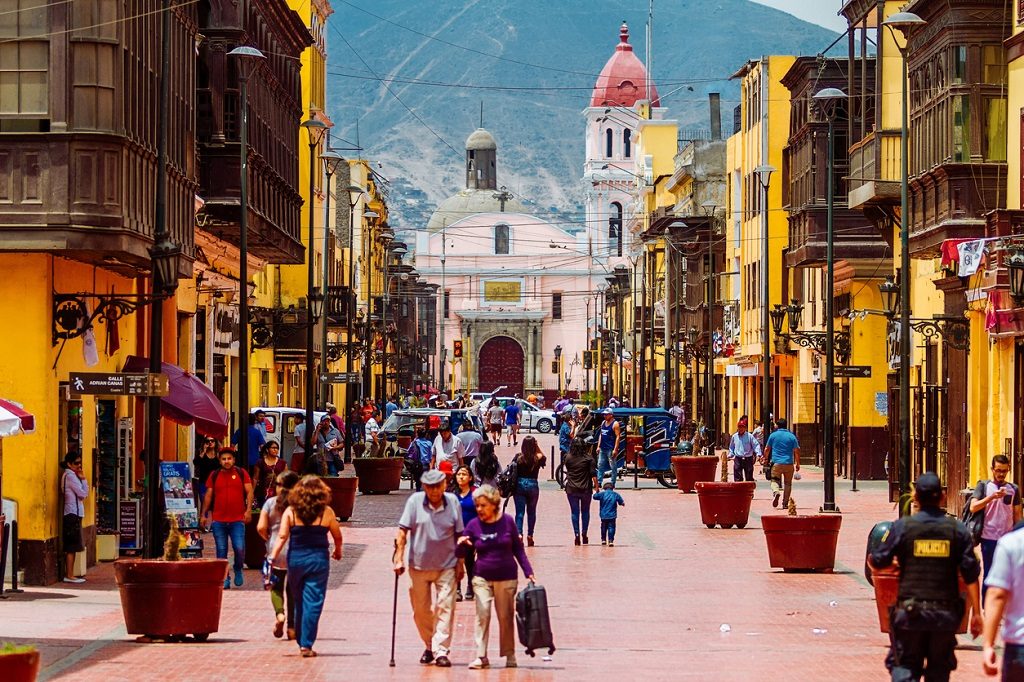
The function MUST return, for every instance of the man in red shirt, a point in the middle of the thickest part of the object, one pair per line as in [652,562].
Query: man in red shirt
[228,500]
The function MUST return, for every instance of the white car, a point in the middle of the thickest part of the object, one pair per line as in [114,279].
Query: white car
[281,422]
[533,418]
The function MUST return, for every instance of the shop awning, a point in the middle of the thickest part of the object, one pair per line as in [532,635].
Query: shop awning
[188,401]
[14,419]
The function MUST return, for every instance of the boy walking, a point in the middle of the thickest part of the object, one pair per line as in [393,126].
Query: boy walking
[610,501]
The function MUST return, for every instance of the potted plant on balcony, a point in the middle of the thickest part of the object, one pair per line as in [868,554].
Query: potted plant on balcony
[169,598]
[691,466]
[723,502]
[18,662]
[801,542]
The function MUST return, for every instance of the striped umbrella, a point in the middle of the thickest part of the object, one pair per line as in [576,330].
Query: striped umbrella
[14,419]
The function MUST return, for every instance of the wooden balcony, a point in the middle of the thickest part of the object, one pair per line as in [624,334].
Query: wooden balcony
[84,195]
[950,202]
[875,170]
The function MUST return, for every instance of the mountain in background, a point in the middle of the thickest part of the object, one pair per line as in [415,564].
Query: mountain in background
[551,53]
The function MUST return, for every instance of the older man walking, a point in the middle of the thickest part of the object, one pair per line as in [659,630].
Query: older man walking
[431,524]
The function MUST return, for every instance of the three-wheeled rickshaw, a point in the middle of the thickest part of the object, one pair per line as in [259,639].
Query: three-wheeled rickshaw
[651,454]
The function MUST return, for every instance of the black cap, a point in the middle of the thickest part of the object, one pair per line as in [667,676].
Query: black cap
[928,487]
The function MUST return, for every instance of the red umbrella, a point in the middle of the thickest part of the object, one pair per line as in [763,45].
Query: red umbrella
[188,400]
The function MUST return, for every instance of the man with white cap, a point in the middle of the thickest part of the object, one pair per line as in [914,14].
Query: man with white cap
[431,524]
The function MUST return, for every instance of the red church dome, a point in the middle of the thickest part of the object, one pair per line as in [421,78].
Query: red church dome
[623,79]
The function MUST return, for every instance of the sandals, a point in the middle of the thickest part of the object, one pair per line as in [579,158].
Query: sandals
[279,628]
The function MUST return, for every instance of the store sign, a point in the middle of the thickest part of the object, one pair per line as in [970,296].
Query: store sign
[226,330]
[180,501]
[117,383]
[128,526]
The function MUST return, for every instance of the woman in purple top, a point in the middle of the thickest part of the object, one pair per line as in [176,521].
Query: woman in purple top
[498,546]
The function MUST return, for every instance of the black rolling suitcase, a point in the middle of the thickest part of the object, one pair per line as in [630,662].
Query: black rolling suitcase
[532,619]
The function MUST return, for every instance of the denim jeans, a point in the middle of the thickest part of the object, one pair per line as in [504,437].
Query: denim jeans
[579,506]
[606,462]
[307,587]
[526,496]
[608,530]
[988,553]
[235,530]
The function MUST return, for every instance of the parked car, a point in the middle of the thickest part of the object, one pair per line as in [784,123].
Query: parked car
[281,423]
[533,417]
[479,397]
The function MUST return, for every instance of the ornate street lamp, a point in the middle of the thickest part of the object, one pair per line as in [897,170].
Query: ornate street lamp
[778,315]
[330,160]
[315,130]
[1015,267]
[764,178]
[890,292]
[906,23]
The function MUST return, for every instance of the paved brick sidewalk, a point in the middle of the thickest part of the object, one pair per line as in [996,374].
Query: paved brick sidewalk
[649,608]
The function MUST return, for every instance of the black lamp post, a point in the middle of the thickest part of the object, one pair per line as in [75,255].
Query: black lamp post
[905,23]
[764,178]
[355,192]
[247,59]
[330,160]
[316,131]
[829,100]
[1015,267]
[558,367]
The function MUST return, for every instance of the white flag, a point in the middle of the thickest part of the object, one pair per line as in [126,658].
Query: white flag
[970,256]
[90,354]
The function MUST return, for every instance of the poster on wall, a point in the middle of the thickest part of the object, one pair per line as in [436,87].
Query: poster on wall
[179,500]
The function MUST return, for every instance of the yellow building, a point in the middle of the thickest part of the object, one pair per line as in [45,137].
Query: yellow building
[762,135]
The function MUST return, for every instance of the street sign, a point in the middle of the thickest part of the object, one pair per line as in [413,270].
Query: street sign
[340,377]
[117,383]
[853,371]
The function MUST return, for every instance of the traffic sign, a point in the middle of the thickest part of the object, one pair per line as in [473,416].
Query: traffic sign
[340,377]
[117,383]
[853,371]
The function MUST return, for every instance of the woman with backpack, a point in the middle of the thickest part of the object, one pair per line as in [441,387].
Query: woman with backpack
[529,462]
[266,470]
[485,466]
[269,527]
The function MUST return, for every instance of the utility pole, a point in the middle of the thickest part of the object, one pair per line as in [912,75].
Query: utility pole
[444,304]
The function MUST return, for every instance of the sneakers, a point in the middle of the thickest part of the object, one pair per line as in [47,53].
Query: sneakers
[480,663]
[227,583]
[775,500]
[77,581]
[604,542]
[238,577]
[510,661]
[611,544]
[469,595]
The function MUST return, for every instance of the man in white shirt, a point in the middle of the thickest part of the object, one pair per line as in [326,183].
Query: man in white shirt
[370,430]
[743,448]
[471,442]
[1004,602]
[447,448]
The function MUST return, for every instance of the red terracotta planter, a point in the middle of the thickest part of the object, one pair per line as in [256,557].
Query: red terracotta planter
[20,667]
[690,469]
[166,598]
[378,474]
[255,546]
[803,542]
[887,582]
[725,504]
[343,495]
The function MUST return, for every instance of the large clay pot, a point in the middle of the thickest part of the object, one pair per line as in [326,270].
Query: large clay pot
[725,504]
[343,495]
[378,474]
[165,598]
[255,546]
[887,582]
[691,469]
[19,667]
[802,542]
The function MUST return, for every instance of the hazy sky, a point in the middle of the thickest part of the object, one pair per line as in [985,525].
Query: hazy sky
[822,12]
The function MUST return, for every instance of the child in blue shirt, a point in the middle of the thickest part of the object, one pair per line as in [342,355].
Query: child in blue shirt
[609,501]
[421,451]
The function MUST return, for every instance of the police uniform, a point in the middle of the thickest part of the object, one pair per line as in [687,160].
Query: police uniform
[932,549]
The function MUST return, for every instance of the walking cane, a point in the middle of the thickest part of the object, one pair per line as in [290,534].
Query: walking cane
[394,609]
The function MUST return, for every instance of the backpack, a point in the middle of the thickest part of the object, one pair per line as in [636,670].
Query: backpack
[506,481]
[975,522]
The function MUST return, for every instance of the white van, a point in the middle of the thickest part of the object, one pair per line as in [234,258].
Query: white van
[281,423]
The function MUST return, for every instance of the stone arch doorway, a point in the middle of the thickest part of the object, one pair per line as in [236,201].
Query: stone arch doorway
[501,362]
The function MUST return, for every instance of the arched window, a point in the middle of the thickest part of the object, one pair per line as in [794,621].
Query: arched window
[501,239]
[626,143]
[615,230]
[609,142]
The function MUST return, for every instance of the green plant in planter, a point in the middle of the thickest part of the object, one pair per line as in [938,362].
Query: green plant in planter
[10,648]
[172,545]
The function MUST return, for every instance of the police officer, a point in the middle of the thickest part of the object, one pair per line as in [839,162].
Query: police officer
[931,549]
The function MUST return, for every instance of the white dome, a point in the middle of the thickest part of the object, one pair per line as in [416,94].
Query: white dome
[469,202]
